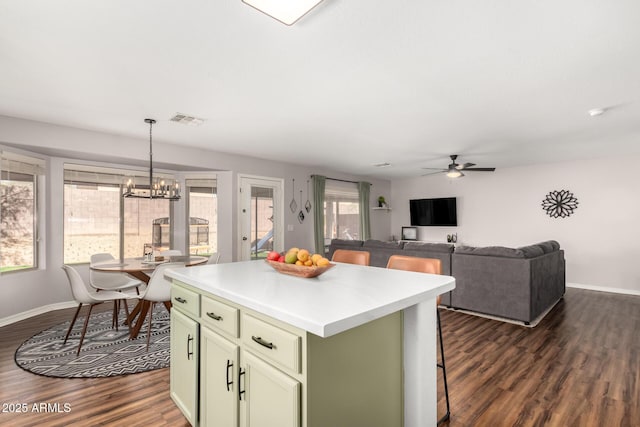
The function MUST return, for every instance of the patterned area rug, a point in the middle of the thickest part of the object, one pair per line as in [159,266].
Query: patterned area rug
[105,351]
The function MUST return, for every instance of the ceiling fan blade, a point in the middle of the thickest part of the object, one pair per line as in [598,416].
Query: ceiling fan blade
[481,169]
[433,173]
[465,166]
[435,169]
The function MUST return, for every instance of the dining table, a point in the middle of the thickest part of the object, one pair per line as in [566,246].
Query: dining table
[141,269]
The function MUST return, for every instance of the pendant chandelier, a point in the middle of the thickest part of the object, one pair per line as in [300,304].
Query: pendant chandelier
[159,188]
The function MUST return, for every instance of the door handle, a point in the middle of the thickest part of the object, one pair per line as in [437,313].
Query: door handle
[214,316]
[244,238]
[240,391]
[229,365]
[189,341]
[262,342]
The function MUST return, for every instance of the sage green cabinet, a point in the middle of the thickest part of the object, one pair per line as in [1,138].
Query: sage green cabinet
[184,365]
[256,371]
[219,363]
[270,398]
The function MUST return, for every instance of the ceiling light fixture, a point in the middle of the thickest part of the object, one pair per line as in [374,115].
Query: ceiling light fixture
[596,112]
[286,11]
[454,173]
[161,188]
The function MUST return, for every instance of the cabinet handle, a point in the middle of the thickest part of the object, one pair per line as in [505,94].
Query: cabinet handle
[180,300]
[214,316]
[262,342]
[229,365]
[189,341]
[240,391]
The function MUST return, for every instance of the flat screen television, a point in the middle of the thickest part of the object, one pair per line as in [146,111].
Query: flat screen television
[434,212]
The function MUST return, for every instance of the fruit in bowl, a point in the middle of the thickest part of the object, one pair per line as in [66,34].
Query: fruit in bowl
[299,262]
[298,256]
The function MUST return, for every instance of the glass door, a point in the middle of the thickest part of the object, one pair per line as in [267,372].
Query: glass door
[260,217]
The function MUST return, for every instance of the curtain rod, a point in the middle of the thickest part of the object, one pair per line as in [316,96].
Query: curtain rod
[341,180]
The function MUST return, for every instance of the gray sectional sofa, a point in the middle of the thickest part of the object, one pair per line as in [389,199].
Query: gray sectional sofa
[519,284]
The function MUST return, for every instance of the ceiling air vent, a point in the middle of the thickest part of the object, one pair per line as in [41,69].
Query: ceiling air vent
[187,120]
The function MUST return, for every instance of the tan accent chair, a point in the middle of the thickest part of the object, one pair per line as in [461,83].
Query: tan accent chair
[351,257]
[430,266]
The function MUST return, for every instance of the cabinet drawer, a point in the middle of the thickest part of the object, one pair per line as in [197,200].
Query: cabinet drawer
[220,316]
[275,344]
[185,300]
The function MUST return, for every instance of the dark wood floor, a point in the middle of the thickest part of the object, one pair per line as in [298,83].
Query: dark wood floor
[579,367]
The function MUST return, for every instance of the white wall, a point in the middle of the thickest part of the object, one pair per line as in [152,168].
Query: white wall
[28,291]
[601,239]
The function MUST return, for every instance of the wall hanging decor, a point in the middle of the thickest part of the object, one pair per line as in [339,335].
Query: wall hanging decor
[560,204]
[307,205]
[301,214]
[293,205]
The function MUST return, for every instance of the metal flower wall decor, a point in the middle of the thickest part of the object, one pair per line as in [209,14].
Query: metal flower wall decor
[560,204]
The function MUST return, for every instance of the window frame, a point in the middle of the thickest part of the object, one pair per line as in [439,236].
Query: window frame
[117,176]
[340,192]
[199,181]
[34,168]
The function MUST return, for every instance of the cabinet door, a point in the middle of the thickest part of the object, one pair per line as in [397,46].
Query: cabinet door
[184,365]
[271,398]
[218,380]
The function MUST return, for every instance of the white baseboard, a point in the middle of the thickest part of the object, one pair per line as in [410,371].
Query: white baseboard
[533,323]
[604,289]
[35,311]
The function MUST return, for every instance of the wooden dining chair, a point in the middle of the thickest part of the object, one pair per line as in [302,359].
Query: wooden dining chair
[84,294]
[431,266]
[158,290]
[351,257]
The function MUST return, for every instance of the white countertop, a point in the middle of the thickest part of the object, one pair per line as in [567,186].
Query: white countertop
[344,297]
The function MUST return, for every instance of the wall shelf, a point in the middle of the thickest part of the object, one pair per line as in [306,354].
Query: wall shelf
[380,209]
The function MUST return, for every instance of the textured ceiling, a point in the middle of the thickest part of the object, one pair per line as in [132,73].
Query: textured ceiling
[352,84]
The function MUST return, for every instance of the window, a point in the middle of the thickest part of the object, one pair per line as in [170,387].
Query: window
[341,211]
[18,211]
[203,216]
[98,219]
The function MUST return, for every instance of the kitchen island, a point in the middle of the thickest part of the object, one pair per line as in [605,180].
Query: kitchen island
[354,346]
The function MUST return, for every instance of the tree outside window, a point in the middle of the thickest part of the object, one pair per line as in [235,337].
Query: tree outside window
[18,212]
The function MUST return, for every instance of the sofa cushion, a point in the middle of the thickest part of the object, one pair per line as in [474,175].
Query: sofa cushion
[345,242]
[532,251]
[380,244]
[498,251]
[549,246]
[429,247]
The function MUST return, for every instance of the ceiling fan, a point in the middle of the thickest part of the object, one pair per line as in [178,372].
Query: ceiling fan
[454,170]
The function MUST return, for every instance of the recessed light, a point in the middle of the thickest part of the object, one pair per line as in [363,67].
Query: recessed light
[596,112]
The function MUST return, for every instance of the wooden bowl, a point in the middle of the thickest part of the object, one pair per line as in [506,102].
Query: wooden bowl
[298,270]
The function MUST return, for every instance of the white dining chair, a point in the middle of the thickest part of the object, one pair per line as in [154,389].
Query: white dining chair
[84,294]
[104,281]
[214,258]
[171,252]
[111,281]
[158,290]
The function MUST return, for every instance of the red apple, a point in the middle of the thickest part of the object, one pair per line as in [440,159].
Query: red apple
[273,256]
[281,259]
